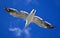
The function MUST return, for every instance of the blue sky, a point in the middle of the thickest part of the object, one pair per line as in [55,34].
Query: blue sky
[49,10]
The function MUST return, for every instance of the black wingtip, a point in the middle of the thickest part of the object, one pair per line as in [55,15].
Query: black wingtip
[6,9]
[51,27]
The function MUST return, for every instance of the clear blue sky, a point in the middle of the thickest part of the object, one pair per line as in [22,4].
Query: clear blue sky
[49,10]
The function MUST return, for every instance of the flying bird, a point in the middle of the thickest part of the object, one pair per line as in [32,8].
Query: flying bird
[29,17]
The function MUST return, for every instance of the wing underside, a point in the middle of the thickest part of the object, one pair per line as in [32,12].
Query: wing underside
[41,23]
[21,14]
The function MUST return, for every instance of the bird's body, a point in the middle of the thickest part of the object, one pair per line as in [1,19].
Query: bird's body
[29,18]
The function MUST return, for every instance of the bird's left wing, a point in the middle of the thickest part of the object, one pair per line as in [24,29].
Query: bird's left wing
[22,14]
[41,23]
[15,13]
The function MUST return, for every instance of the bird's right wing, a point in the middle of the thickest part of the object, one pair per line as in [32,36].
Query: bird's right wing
[41,23]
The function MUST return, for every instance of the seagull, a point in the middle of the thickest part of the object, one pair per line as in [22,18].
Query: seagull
[29,17]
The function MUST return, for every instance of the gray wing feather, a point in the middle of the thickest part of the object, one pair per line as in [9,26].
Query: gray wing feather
[38,21]
[21,14]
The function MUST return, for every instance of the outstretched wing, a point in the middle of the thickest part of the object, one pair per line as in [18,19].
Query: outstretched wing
[22,14]
[42,23]
[15,13]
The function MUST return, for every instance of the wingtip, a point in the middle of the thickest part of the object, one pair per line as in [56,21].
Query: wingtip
[52,27]
[49,26]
